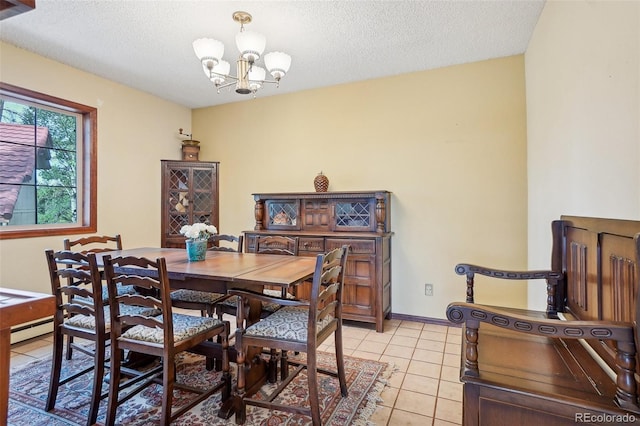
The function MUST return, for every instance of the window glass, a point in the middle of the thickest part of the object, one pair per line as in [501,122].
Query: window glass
[47,151]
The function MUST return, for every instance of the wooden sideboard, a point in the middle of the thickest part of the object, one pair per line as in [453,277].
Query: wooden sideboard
[189,195]
[325,220]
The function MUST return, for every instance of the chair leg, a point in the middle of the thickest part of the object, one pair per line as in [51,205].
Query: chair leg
[340,362]
[314,399]
[98,377]
[284,365]
[168,379]
[273,366]
[114,385]
[213,363]
[224,363]
[241,406]
[56,366]
[69,352]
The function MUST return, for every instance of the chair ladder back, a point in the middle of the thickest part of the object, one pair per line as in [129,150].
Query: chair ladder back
[75,275]
[233,240]
[277,244]
[94,243]
[326,290]
[153,293]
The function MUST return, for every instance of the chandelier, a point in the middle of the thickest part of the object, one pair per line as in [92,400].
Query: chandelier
[249,76]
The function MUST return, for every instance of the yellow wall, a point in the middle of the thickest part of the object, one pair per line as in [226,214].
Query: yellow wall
[135,130]
[583,118]
[450,144]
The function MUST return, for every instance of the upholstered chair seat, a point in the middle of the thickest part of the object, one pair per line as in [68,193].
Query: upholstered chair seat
[89,321]
[287,323]
[184,327]
[267,307]
[196,296]
[122,290]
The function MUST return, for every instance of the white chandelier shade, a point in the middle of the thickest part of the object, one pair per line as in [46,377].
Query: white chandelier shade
[277,63]
[208,49]
[250,77]
[251,45]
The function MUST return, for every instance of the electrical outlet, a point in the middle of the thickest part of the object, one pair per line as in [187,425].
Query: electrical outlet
[428,289]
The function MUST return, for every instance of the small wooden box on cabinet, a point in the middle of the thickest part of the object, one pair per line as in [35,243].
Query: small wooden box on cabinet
[189,195]
[323,221]
[190,152]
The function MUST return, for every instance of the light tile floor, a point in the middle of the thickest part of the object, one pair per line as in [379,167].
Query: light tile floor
[423,390]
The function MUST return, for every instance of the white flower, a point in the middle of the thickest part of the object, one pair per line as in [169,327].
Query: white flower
[198,231]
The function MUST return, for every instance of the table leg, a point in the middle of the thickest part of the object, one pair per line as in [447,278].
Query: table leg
[5,356]
[252,369]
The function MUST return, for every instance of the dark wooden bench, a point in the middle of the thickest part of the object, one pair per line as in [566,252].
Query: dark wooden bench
[574,363]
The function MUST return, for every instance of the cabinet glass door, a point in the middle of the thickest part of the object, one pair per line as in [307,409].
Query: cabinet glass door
[179,200]
[202,202]
[282,214]
[354,215]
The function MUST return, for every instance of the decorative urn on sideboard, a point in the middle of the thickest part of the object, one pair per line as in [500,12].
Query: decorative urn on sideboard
[321,183]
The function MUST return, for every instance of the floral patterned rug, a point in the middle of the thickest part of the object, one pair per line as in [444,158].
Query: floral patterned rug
[29,387]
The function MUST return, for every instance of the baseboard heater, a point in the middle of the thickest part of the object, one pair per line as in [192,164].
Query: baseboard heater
[31,325]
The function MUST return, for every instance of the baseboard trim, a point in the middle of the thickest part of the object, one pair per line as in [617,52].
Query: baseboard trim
[426,320]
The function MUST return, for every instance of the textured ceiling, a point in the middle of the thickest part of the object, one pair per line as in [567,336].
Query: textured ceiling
[147,44]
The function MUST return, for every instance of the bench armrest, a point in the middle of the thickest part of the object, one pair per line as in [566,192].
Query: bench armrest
[621,332]
[553,279]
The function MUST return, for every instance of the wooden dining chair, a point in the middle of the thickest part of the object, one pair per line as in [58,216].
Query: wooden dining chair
[75,280]
[205,301]
[268,244]
[163,336]
[208,303]
[225,242]
[77,275]
[298,326]
[277,244]
[95,244]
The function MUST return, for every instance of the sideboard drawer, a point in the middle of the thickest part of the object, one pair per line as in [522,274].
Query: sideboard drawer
[356,246]
[310,245]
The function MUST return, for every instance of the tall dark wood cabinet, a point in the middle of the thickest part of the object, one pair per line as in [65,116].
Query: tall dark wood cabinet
[326,220]
[189,195]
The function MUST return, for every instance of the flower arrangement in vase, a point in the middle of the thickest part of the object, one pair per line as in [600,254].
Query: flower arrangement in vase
[197,236]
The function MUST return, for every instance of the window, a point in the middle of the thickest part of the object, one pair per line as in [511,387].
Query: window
[47,165]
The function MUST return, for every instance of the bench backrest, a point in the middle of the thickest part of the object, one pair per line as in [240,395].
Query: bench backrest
[599,261]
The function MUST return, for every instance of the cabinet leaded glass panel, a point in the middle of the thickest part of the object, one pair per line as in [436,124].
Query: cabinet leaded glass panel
[353,214]
[283,213]
[178,199]
[202,201]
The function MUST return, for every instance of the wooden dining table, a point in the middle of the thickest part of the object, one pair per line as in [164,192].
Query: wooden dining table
[219,272]
[17,307]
